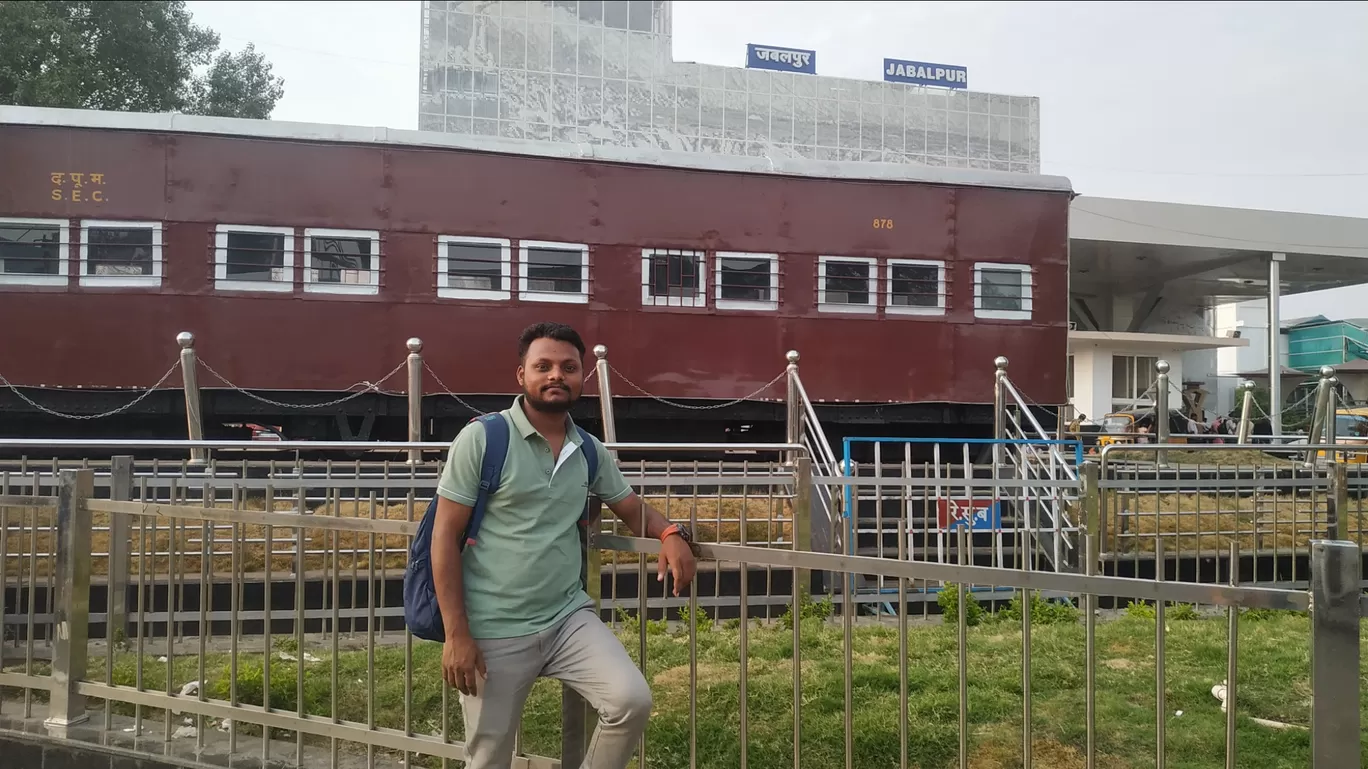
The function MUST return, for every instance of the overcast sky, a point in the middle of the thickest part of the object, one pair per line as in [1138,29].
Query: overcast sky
[1243,104]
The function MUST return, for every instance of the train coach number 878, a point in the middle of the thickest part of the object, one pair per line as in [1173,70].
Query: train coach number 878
[883,224]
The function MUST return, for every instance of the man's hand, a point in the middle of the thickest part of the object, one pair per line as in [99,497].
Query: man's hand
[678,558]
[461,662]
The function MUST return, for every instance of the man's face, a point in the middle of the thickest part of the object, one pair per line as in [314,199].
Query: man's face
[551,375]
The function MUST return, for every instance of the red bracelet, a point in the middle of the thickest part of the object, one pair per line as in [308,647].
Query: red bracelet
[671,529]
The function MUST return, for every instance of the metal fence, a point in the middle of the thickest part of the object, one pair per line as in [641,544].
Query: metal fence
[316,676]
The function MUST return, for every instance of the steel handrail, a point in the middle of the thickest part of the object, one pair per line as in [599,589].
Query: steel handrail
[374,446]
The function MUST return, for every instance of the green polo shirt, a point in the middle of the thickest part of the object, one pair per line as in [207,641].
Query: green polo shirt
[523,573]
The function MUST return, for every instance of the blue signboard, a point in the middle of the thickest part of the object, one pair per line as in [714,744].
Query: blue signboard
[781,59]
[925,73]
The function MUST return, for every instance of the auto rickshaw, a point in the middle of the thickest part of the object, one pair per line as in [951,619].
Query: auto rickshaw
[1351,428]
[1125,427]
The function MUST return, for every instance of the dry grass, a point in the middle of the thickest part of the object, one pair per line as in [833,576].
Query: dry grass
[1210,522]
[162,547]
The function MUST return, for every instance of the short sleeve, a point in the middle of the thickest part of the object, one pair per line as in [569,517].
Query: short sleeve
[609,486]
[460,480]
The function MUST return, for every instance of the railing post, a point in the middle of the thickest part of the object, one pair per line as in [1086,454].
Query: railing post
[1335,683]
[194,420]
[794,400]
[605,394]
[120,540]
[1318,415]
[999,398]
[415,397]
[1161,409]
[1090,477]
[1246,428]
[71,609]
[802,522]
[1337,501]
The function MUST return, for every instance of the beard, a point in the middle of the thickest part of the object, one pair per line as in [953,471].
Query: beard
[535,400]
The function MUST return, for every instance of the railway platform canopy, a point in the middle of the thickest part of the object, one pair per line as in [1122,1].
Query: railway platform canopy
[1146,276]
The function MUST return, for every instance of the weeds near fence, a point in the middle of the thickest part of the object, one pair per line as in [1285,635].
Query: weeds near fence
[1274,684]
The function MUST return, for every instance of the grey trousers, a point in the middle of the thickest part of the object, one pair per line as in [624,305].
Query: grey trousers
[582,653]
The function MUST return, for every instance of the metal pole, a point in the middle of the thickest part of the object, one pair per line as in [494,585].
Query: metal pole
[120,541]
[1275,341]
[795,404]
[999,398]
[71,610]
[1161,409]
[1331,409]
[605,393]
[415,397]
[194,421]
[1313,437]
[1335,683]
[1246,426]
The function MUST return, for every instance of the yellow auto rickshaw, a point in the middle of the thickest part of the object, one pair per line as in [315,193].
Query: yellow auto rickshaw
[1133,425]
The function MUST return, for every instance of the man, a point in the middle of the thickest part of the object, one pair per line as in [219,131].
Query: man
[512,604]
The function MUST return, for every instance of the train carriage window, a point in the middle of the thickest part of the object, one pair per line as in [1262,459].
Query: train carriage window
[747,281]
[251,258]
[33,252]
[673,278]
[474,268]
[1002,291]
[342,261]
[121,253]
[846,284]
[915,287]
[553,272]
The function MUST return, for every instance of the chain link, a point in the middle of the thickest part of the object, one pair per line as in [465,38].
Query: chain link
[366,388]
[447,391]
[690,407]
[13,388]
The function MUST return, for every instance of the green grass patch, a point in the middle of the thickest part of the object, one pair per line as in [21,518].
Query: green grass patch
[1274,684]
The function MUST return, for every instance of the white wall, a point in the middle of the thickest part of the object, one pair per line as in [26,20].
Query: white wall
[1251,320]
[1093,376]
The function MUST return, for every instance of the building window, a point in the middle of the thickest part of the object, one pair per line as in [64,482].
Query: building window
[747,281]
[33,252]
[846,284]
[673,278]
[121,253]
[1132,378]
[474,268]
[916,287]
[342,261]
[553,272]
[1002,291]
[248,258]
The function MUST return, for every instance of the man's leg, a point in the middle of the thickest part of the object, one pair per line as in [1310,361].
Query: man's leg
[587,657]
[492,716]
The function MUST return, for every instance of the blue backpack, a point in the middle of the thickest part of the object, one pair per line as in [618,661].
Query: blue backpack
[421,612]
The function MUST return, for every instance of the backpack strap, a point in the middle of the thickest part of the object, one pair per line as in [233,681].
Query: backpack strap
[591,458]
[491,470]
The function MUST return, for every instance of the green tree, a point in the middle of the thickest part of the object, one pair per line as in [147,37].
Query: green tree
[132,55]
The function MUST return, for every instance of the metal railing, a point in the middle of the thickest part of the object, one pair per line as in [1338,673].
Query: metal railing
[311,687]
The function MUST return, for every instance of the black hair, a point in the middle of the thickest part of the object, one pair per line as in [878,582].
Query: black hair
[548,330]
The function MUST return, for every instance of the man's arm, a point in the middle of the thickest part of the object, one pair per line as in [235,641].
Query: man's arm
[447,531]
[640,517]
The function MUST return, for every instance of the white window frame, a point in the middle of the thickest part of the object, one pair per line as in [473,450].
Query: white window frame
[444,288]
[873,305]
[1027,280]
[902,309]
[700,295]
[371,287]
[524,293]
[64,254]
[224,283]
[746,304]
[121,281]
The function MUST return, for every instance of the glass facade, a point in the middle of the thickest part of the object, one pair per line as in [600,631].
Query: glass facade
[602,72]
